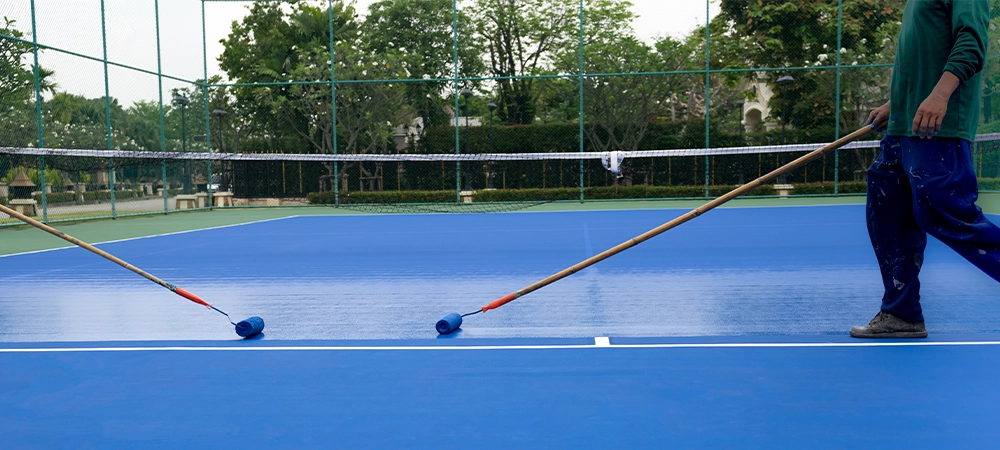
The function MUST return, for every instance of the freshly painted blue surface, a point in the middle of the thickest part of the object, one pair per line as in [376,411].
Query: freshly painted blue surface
[756,271]
[740,319]
[716,397]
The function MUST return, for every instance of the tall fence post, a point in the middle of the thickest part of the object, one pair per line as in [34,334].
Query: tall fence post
[458,164]
[107,110]
[163,137]
[708,94]
[208,113]
[836,126]
[582,72]
[333,109]
[38,112]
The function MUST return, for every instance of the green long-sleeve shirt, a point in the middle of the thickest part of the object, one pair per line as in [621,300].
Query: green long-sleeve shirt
[938,36]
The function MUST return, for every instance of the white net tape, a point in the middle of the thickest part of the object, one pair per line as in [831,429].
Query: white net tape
[442,156]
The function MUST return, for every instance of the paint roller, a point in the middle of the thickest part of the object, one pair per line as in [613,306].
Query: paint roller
[452,322]
[245,328]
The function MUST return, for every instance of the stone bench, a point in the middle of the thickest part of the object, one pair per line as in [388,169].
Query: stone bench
[185,202]
[28,207]
[223,199]
[783,190]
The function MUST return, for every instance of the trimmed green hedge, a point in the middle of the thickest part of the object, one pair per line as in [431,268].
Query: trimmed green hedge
[989,184]
[71,197]
[375,197]
[554,194]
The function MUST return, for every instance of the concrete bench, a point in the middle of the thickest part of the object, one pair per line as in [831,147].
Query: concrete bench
[223,198]
[185,202]
[783,190]
[28,207]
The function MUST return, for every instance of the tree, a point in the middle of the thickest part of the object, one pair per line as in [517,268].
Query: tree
[803,33]
[527,38]
[74,121]
[366,111]
[726,52]
[265,46]
[421,33]
[680,91]
[17,87]
[293,50]
[521,36]
[620,108]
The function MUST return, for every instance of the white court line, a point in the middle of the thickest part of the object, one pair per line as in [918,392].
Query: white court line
[153,236]
[493,347]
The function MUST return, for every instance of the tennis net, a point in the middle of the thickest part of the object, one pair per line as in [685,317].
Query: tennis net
[110,183]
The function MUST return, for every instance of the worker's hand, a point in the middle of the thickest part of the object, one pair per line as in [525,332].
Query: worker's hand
[927,121]
[877,116]
[929,116]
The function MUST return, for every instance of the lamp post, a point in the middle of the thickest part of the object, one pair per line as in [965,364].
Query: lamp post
[219,115]
[181,102]
[466,93]
[741,104]
[783,81]
[489,173]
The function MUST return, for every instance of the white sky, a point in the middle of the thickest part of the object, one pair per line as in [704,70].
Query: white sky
[75,25]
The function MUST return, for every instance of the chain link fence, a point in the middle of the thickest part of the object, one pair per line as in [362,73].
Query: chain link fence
[437,77]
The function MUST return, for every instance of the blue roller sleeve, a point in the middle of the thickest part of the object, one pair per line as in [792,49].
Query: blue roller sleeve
[449,323]
[250,327]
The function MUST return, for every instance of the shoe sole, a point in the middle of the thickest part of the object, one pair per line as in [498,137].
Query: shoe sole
[892,334]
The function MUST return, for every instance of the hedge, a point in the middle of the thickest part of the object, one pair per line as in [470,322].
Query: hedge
[93,196]
[375,197]
[989,184]
[555,194]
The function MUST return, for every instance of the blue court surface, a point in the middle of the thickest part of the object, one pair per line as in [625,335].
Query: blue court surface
[729,331]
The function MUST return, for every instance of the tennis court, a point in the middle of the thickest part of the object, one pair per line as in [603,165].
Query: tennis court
[728,331]
[354,171]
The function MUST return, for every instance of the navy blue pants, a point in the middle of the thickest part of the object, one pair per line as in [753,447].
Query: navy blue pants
[918,187]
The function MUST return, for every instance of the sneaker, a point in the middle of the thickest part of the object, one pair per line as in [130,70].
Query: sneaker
[885,325]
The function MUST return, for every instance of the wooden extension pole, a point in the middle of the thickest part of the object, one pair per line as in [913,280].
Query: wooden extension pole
[680,220]
[112,258]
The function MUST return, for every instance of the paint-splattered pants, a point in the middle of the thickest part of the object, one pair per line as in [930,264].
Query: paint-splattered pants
[918,187]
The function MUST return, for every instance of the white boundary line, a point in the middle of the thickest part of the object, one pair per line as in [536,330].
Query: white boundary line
[155,235]
[496,347]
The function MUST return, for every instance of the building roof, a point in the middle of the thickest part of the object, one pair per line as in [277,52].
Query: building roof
[22,180]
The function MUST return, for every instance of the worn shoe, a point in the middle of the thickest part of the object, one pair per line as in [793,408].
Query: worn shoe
[885,325]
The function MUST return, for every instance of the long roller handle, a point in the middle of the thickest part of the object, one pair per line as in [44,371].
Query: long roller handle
[682,219]
[110,257]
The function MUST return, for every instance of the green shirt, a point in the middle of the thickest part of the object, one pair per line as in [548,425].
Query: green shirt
[938,36]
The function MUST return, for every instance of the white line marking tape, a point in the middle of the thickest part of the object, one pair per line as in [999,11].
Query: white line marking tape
[491,347]
[137,238]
